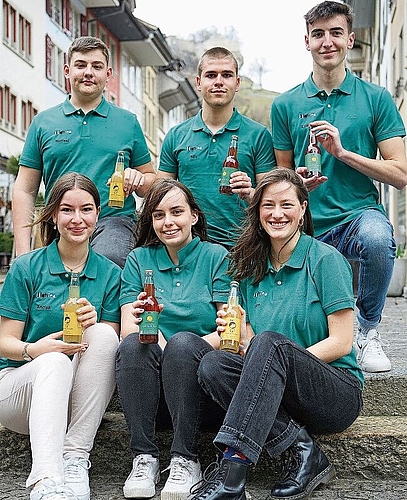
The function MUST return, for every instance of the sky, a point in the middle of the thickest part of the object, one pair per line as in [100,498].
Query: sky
[270,31]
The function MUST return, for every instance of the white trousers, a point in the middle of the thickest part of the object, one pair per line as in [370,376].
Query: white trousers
[60,403]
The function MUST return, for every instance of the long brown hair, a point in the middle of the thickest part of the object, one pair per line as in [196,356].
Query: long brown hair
[145,234]
[249,258]
[71,180]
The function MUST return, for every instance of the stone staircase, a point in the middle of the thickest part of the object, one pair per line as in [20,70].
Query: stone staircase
[370,457]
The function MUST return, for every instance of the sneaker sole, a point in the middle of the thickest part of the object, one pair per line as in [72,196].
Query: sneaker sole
[141,493]
[178,495]
[174,495]
[322,478]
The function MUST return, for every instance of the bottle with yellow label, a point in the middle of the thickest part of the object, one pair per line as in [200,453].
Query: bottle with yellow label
[116,188]
[72,329]
[230,337]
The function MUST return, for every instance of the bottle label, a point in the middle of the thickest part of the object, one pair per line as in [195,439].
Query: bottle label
[72,329]
[232,330]
[226,173]
[313,162]
[116,192]
[149,323]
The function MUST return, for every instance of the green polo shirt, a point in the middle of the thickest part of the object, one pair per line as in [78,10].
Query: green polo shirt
[63,139]
[364,114]
[188,290]
[295,301]
[195,155]
[37,284]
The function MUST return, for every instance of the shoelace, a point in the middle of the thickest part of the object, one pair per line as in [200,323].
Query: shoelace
[375,343]
[51,489]
[74,468]
[141,467]
[211,477]
[291,463]
[178,468]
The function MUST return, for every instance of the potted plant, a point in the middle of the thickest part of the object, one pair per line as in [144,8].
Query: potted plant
[398,280]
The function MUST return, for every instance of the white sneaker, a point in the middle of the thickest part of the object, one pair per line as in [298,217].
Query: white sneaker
[183,474]
[76,476]
[369,352]
[143,477]
[50,489]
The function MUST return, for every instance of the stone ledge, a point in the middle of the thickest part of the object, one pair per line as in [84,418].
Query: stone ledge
[373,448]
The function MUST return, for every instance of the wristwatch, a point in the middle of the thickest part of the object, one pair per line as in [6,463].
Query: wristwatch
[25,355]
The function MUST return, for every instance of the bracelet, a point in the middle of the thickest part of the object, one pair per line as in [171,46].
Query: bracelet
[25,355]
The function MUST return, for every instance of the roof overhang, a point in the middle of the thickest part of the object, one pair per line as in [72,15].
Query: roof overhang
[143,41]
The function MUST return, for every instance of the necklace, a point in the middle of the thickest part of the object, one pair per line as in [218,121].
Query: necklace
[72,269]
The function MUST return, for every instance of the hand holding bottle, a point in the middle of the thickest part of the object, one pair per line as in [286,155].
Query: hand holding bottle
[245,333]
[86,312]
[241,184]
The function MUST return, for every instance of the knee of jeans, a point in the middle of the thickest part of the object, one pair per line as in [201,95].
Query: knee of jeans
[131,353]
[268,338]
[208,367]
[181,342]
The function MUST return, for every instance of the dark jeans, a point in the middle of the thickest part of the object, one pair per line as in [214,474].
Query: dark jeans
[144,372]
[274,390]
[114,238]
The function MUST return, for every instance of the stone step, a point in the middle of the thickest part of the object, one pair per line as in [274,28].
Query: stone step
[373,448]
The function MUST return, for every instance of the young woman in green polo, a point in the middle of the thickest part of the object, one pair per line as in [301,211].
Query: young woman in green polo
[54,391]
[191,284]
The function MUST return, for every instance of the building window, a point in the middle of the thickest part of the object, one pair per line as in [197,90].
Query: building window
[27,114]
[16,31]
[130,75]
[56,11]
[76,24]
[8,109]
[54,63]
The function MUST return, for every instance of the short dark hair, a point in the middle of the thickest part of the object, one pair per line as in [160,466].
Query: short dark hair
[86,44]
[217,53]
[65,183]
[328,9]
[145,234]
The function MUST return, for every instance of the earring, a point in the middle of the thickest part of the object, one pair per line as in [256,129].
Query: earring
[55,226]
[301,222]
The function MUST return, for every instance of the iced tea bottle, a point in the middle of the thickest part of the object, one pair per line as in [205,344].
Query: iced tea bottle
[148,328]
[230,165]
[230,337]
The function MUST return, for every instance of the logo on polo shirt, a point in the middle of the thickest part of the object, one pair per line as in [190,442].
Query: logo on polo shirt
[62,137]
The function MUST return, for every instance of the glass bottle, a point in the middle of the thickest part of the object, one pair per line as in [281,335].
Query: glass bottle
[230,337]
[230,165]
[313,156]
[148,328]
[72,329]
[116,188]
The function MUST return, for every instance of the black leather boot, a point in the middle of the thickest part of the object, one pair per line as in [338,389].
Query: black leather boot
[305,468]
[221,481]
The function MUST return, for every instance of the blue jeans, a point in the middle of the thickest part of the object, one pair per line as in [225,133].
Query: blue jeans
[368,239]
[273,391]
[114,238]
[144,373]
